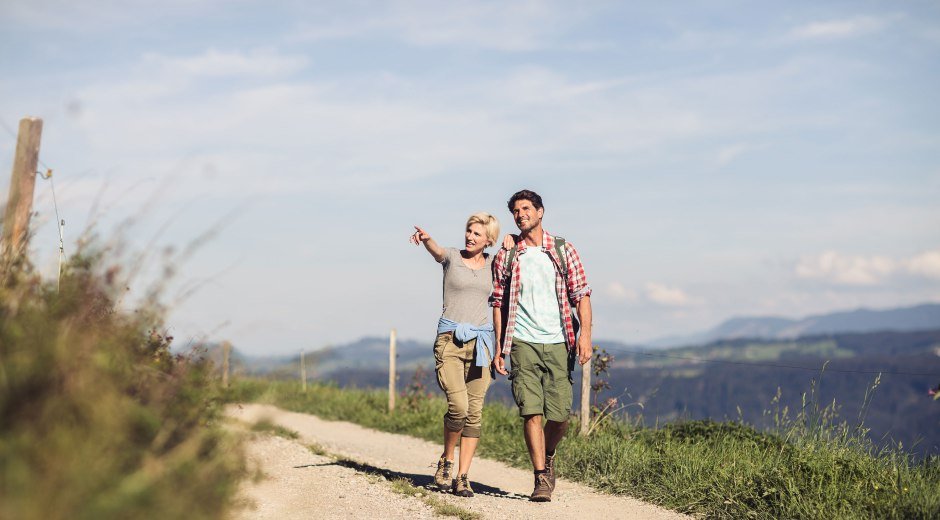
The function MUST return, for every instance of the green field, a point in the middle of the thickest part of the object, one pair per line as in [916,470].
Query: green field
[810,467]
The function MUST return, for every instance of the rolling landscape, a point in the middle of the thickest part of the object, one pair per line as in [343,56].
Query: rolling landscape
[224,230]
[736,374]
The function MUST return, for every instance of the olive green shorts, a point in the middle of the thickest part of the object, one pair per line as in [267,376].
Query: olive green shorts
[541,379]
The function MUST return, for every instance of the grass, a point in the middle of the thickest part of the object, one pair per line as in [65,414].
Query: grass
[98,419]
[266,426]
[316,449]
[440,507]
[809,466]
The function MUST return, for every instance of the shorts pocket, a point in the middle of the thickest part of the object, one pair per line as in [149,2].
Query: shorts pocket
[518,392]
[572,363]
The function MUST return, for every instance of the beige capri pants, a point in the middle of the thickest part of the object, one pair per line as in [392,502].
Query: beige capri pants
[464,383]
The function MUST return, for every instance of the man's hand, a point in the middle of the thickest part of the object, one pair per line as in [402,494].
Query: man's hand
[585,350]
[499,363]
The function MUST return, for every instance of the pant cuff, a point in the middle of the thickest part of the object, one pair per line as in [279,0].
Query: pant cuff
[454,425]
[471,431]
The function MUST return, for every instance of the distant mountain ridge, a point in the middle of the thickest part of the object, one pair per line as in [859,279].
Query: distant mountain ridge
[371,353]
[905,319]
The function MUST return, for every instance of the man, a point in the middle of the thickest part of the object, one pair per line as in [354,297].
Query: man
[535,285]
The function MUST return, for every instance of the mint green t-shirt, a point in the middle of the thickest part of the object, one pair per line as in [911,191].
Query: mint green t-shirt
[538,319]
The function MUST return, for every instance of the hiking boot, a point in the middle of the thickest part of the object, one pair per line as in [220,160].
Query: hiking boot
[550,467]
[442,477]
[543,489]
[462,486]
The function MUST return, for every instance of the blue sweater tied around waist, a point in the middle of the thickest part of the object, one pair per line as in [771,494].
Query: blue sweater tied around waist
[464,332]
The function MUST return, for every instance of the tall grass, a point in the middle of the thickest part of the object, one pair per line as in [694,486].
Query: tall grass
[809,466]
[98,419]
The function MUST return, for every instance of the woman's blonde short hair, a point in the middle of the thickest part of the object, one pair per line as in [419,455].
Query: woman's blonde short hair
[489,223]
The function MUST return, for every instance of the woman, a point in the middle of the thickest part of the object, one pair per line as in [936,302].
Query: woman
[464,348]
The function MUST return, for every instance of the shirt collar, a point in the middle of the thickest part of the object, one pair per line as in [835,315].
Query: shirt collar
[548,242]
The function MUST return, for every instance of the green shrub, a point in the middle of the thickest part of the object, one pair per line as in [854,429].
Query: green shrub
[98,419]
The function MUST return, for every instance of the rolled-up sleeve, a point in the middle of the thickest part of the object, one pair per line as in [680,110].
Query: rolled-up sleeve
[499,272]
[578,286]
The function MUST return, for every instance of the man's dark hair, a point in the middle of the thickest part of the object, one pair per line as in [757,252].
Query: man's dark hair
[528,195]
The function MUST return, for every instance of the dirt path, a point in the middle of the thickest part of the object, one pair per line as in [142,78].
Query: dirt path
[296,483]
[300,484]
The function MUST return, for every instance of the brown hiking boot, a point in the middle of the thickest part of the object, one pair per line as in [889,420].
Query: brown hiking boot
[462,486]
[543,489]
[442,477]
[550,467]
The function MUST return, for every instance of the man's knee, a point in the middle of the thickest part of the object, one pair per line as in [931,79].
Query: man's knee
[533,419]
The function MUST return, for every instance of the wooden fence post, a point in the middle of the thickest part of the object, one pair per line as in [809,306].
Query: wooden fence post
[303,372]
[226,351]
[391,371]
[22,183]
[586,396]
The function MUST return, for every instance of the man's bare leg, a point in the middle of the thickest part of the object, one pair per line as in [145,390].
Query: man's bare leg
[554,433]
[535,441]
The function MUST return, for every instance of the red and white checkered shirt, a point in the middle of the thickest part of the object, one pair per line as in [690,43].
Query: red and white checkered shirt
[568,294]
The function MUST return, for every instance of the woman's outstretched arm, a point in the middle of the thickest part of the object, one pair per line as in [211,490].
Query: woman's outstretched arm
[421,236]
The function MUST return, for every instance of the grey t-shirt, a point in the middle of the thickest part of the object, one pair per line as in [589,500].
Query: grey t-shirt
[466,291]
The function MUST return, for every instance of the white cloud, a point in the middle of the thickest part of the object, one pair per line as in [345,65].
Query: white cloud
[843,269]
[846,270]
[92,16]
[214,63]
[381,127]
[926,264]
[517,26]
[729,153]
[667,296]
[839,28]
[617,292]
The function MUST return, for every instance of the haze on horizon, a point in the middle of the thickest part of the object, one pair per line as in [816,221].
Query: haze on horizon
[708,161]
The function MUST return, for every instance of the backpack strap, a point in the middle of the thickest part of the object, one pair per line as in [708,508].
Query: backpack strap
[562,259]
[508,265]
[559,251]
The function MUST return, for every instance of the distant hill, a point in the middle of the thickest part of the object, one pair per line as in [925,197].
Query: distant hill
[732,370]
[369,353]
[364,354]
[905,319]
[728,378]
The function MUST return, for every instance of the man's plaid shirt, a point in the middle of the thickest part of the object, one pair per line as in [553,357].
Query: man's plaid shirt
[568,294]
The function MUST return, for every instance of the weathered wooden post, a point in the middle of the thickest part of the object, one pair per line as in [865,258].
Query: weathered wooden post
[391,371]
[303,372]
[586,396]
[22,183]
[226,351]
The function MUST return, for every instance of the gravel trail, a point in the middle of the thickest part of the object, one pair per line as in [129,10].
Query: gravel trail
[300,484]
[296,483]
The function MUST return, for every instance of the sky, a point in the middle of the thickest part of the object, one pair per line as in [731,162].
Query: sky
[707,159]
